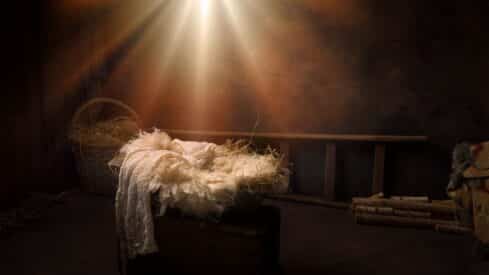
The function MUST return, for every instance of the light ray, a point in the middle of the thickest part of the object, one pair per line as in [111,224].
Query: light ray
[249,48]
[173,44]
[202,66]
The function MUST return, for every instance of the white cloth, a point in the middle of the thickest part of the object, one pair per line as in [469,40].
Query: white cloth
[199,178]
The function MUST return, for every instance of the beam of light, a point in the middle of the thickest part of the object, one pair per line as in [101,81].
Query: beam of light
[148,73]
[203,9]
[172,44]
[249,46]
[189,35]
[240,31]
[203,42]
[79,56]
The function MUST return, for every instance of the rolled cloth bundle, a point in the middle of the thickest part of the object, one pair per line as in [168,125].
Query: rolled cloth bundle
[410,212]
[199,178]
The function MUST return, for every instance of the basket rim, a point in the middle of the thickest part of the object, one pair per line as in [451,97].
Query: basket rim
[103,100]
[77,143]
[75,124]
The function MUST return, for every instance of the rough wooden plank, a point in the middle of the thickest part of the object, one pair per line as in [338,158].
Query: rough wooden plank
[378,177]
[330,172]
[374,219]
[455,229]
[389,211]
[411,198]
[406,205]
[300,136]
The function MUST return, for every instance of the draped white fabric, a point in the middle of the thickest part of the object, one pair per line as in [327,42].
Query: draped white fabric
[199,178]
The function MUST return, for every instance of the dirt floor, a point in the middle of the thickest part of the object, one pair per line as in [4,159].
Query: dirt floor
[77,236]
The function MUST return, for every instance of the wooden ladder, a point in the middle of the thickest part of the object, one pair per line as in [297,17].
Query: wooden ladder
[331,140]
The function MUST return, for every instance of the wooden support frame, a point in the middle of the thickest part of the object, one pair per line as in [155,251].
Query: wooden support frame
[330,172]
[379,165]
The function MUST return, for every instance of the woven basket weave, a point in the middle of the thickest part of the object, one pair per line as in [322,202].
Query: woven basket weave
[92,158]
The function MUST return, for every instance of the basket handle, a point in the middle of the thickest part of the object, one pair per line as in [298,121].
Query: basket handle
[102,100]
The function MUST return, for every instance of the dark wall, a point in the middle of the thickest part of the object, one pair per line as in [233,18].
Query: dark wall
[83,43]
[21,100]
[359,67]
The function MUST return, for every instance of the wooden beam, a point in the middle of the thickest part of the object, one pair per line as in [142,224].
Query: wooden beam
[300,136]
[379,162]
[330,172]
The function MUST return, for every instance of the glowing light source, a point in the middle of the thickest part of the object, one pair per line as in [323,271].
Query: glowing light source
[204,7]
[203,38]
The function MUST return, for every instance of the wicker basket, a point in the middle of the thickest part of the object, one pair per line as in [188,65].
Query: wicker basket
[92,158]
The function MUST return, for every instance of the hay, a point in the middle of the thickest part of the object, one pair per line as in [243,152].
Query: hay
[201,179]
[109,133]
[232,165]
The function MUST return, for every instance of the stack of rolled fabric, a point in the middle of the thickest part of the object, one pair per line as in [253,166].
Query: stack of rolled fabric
[408,211]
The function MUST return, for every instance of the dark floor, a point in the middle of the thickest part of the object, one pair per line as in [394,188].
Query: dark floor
[77,237]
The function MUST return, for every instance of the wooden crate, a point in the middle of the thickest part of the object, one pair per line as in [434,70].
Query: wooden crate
[241,243]
[481,214]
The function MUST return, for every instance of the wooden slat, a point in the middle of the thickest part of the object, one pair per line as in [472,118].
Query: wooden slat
[379,161]
[310,200]
[435,208]
[330,172]
[300,136]
[374,219]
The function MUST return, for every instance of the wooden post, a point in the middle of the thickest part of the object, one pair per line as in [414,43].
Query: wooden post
[330,172]
[481,214]
[379,161]
[285,151]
